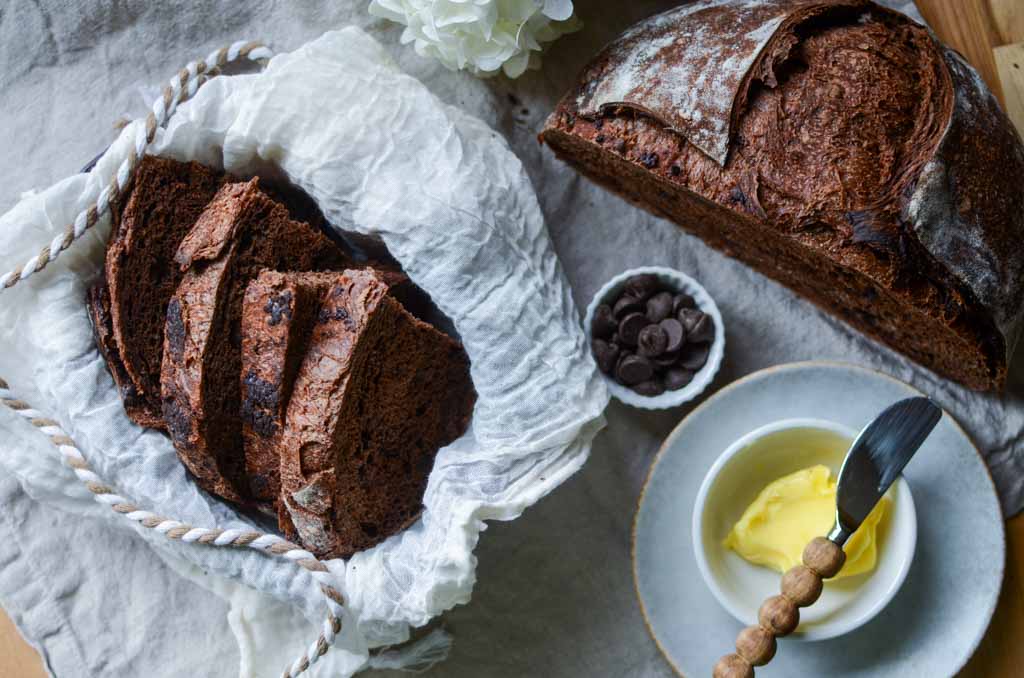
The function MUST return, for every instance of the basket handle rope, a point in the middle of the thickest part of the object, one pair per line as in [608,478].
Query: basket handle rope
[180,88]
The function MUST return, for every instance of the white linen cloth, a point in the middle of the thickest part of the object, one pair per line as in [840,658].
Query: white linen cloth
[554,596]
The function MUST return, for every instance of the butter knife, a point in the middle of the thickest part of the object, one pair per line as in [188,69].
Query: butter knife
[874,461]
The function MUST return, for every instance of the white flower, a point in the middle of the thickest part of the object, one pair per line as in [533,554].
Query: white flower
[482,36]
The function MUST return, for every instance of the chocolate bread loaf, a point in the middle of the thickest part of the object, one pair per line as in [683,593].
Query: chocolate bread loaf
[164,201]
[240,233]
[835,146]
[377,394]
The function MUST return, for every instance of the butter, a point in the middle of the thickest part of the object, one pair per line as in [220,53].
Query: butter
[792,511]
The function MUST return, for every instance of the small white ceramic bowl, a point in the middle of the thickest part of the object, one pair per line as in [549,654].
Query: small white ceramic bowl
[735,480]
[678,282]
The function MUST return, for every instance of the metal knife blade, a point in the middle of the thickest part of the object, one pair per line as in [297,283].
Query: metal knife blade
[876,459]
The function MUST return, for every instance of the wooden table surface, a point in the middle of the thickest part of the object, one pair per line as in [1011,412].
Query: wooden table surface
[990,33]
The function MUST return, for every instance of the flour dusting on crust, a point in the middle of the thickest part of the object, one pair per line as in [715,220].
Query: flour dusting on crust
[686,67]
[968,207]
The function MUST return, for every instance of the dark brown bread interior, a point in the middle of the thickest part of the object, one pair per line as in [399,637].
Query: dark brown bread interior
[165,199]
[98,305]
[377,394]
[829,135]
[277,315]
[240,233]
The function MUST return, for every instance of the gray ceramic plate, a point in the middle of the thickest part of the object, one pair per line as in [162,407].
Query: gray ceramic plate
[934,623]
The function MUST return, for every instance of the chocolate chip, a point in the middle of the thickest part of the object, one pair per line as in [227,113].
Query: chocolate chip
[676,170]
[629,328]
[262,423]
[606,355]
[675,333]
[174,330]
[649,160]
[659,306]
[703,330]
[279,306]
[737,196]
[633,369]
[681,301]
[179,423]
[666,359]
[603,325]
[652,341]
[642,286]
[698,325]
[677,377]
[650,388]
[626,305]
[599,138]
[694,356]
[327,314]
[260,392]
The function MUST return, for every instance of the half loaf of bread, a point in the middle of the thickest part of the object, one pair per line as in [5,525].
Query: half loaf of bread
[835,146]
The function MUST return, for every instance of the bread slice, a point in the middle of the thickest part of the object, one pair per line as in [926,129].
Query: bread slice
[278,313]
[240,233]
[378,392]
[98,305]
[836,147]
[165,199]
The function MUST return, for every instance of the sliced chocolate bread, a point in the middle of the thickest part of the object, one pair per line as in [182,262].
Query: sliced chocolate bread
[240,233]
[378,392]
[98,305]
[277,316]
[165,200]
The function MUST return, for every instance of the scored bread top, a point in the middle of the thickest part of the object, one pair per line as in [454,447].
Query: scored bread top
[685,67]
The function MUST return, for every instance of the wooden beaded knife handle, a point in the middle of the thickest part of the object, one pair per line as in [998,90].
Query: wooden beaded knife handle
[874,461]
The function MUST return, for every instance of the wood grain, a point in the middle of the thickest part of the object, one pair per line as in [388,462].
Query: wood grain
[1001,652]
[1008,16]
[969,27]
[1010,62]
[977,28]
[17,658]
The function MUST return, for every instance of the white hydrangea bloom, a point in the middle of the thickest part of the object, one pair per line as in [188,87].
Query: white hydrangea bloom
[482,36]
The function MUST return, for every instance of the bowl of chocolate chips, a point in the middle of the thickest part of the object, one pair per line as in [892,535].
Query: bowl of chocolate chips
[657,337]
